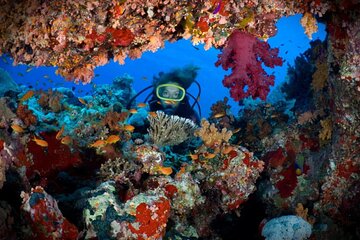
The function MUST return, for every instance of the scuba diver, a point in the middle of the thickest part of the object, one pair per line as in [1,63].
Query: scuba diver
[169,93]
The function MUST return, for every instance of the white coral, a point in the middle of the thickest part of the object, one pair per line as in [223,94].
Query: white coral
[289,227]
[170,129]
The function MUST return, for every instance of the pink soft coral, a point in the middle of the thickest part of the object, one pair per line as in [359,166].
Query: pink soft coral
[244,53]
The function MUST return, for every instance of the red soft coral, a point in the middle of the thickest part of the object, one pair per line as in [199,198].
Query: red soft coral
[244,54]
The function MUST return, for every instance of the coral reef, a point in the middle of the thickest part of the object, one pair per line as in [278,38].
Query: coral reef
[308,154]
[77,37]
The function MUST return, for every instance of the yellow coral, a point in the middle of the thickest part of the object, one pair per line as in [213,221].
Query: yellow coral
[309,23]
[326,131]
[210,134]
[320,76]
[303,213]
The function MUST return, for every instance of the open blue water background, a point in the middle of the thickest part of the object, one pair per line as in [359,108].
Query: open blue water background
[290,39]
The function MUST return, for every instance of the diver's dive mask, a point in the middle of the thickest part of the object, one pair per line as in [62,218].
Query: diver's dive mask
[170,92]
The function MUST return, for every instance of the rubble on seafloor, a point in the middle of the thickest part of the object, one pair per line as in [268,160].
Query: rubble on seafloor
[75,168]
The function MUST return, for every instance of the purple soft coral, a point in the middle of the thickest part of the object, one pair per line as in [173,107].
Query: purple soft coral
[244,53]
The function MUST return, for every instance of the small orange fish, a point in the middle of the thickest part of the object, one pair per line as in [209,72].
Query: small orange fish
[236,130]
[181,172]
[133,111]
[17,128]
[66,140]
[141,105]
[170,102]
[40,142]
[194,156]
[227,149]
[27,95]
[165,170]
[82,101]
[209,155]
[112,139]
[153,114]
[219,115]
[60,132]
[98,143]
[129,128]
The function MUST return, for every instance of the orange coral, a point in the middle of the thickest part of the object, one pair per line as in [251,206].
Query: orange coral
[210,134]
[151,220]
[26,115]
[51,100]
[320,76]
[309,23]
[303,213]
[112,120]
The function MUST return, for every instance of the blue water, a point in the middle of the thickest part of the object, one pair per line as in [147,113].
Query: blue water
[290,39]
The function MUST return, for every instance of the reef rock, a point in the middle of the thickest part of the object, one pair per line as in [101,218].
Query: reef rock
[6,83]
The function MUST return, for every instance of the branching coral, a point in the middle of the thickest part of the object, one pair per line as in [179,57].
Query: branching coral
[326,130]
[309,23]
[210,134]
[244,54]
[320,76]
[170,130]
